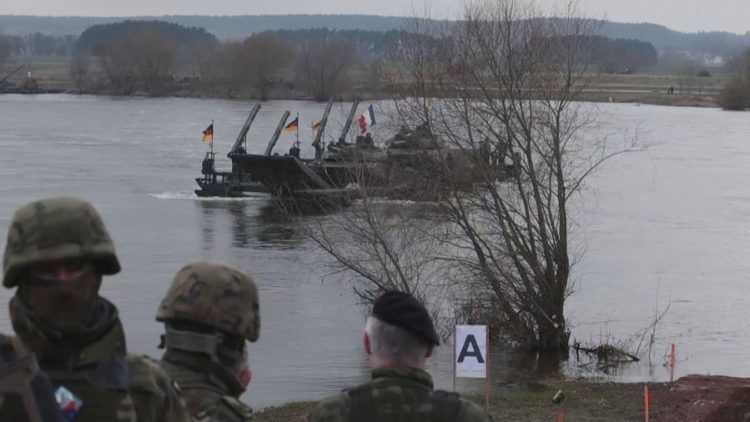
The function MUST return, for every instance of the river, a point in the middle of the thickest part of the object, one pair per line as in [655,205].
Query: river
[669,224]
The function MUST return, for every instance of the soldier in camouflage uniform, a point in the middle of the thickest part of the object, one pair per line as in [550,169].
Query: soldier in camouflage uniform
[398,338]
[56,254]
[209,312]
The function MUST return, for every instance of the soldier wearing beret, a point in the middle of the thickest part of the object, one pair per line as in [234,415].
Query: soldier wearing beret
[399,337]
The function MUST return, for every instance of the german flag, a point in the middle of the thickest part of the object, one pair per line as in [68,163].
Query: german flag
[292,126]
[208,134]
[316,126]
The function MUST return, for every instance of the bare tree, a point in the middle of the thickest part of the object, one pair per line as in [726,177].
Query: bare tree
[499,90]
[142,57]
[381,242]
[80,62]
[259,61]
[156,58]
[736,93]
[205,57]
[508,81]
[323,67]
[6,46]
[119,64]
[380,245]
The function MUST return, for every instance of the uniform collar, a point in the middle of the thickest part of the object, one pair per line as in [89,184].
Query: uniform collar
[409,374]
[220,376]
[102,340]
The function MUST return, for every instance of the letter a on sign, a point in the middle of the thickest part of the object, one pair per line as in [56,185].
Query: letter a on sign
[471,351]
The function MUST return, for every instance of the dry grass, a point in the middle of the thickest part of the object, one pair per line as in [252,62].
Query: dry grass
[54,73]
[585,401]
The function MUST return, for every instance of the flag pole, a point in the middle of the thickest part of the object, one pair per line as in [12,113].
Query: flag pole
[212,137]
[487,384]
[297,128]
[454,359]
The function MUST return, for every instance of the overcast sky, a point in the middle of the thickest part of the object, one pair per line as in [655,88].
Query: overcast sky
[683,15]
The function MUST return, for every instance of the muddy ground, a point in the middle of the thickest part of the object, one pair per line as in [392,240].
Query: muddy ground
[690,399]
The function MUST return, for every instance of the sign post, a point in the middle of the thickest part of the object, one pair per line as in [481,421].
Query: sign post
[470,357]
[455,342]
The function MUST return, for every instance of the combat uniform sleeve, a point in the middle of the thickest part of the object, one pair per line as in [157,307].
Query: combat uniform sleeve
[471,412]
[332,409]
[156,397]
[174,409]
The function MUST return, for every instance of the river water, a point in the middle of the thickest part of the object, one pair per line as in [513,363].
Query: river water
[665,227]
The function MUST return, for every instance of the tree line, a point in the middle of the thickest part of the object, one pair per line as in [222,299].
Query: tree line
[736,94]
[703,44]
[36,44]
[162,58]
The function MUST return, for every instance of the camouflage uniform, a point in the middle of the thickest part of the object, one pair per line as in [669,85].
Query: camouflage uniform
[404,395]
[212,304]
[92,363]
[402,391]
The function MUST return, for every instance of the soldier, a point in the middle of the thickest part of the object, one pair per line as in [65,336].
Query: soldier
[21,380]
[56,254]
[208,313]
[399,337]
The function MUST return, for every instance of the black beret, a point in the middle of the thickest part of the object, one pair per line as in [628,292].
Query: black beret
[403,310]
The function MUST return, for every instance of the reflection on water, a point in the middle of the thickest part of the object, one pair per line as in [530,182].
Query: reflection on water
[207,224]
[240,235]
[275,228]
[251,224]
[536,365]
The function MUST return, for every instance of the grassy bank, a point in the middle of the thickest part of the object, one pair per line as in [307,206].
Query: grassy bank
[53,73]
[584,401]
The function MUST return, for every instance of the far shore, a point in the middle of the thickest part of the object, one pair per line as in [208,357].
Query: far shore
[708,100]
[53,75]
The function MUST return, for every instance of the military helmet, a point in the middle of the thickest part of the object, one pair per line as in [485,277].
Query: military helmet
[216,296]
[56,229]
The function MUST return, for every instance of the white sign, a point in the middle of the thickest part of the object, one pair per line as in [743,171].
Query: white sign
[471,351]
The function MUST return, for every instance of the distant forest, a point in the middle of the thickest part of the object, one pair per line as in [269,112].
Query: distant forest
[166,58]
[161,58]
[707,45]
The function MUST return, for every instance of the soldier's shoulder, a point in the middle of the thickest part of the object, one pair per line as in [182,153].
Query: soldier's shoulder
[153,391]
[145,365]
[464,410]
[146,374]
[227,408]
[472,412]
[331,409]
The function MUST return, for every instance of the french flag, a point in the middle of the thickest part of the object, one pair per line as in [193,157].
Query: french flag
[367,119]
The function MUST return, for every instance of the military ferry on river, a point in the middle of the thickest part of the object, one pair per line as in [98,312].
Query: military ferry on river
[342,171]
